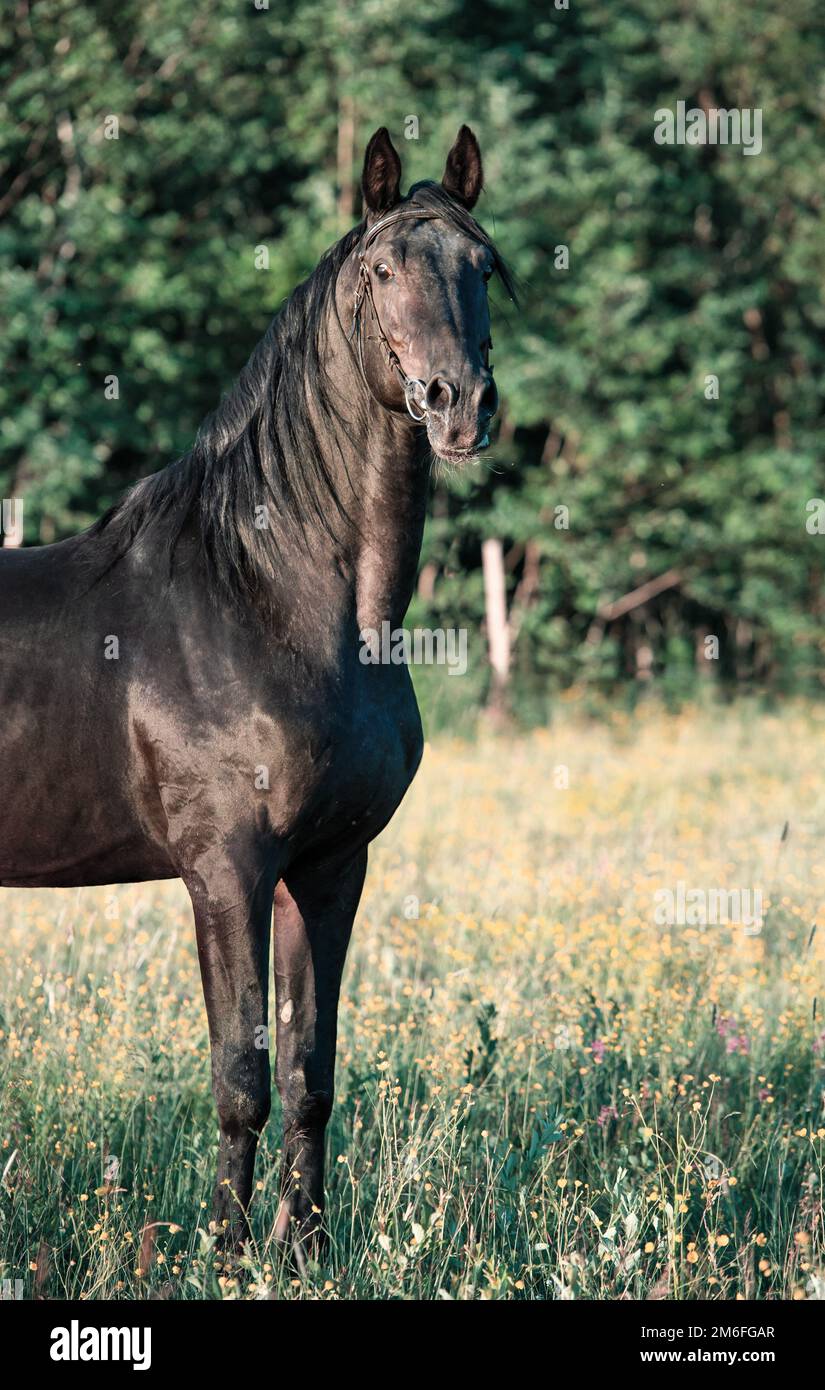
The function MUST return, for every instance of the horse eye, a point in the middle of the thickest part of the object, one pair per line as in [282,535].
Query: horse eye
[383,271]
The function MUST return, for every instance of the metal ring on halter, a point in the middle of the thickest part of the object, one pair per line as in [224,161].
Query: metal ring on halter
[411,385]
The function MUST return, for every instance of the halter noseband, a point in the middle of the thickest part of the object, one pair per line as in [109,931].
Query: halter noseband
[363,290]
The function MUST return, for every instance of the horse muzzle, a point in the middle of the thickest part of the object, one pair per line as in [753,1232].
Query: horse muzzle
[458,415]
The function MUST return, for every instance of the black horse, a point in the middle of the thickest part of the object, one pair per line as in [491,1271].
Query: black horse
[183,686]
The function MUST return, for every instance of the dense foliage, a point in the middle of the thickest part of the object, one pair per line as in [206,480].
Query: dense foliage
[240,127]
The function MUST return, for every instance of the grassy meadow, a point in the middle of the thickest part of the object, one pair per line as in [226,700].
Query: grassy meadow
[542,1093]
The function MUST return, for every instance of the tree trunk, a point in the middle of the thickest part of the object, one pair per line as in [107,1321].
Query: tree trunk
[346,150]
[498,631]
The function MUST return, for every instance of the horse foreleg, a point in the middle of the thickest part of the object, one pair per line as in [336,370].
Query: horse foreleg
[314,909]
[233,922]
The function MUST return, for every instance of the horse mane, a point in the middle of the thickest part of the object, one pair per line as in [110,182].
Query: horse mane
[262,447]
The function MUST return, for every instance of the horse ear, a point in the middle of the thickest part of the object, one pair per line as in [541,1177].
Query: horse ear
[381,179]
[463,175]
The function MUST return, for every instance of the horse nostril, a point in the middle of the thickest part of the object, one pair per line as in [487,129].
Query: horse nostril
[440,394]
[488,402]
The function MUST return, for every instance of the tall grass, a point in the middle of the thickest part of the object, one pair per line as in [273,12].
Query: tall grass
[541,1092]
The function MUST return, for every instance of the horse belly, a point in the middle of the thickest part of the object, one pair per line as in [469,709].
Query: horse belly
[67,814]
[58,830]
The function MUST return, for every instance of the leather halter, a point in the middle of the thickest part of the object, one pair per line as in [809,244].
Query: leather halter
[363,290]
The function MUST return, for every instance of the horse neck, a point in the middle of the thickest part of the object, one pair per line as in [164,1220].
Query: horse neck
[383,481]
[393,505]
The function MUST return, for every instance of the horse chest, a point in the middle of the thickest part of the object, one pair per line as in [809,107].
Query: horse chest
[361,766]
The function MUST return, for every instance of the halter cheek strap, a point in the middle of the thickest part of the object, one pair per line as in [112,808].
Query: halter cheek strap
[412,387]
